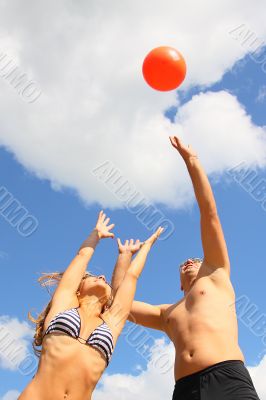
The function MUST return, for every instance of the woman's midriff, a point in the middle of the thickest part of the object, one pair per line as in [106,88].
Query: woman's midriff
[68,370]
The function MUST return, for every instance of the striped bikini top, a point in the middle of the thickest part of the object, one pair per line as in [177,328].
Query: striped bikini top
[69,322]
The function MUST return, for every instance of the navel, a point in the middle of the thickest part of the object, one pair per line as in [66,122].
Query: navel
[65,395]
[202,292]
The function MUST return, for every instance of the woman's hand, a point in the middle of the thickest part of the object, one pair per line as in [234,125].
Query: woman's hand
[102,227]
[185,151]
[129,246]
[152,239]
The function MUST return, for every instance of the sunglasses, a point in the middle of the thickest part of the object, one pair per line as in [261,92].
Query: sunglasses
[88,275]
[196,260]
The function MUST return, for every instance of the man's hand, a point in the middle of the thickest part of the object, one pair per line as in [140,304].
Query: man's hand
[213,242]
[185,151]
[129,246]
[102,227]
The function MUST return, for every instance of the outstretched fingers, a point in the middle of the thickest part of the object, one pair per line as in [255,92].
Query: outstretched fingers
[159,231]
[176,142]
[109,228]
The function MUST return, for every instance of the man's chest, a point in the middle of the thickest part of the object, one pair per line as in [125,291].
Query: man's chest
[203,305]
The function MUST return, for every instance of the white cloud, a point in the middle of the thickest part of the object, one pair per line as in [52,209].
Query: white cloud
[258,374]
[15,339]
[262,94]
[156,382]
[11,395]
[152,384]
[95,105]
[223,133]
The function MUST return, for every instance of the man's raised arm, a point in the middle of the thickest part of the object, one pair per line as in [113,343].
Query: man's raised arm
[213,242]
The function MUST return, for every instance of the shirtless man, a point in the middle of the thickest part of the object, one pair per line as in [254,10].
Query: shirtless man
[209,363]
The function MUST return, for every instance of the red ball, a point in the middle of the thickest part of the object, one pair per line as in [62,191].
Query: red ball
[164,68]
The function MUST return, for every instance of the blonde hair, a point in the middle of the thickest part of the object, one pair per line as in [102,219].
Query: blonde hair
[47,279]
[50,279]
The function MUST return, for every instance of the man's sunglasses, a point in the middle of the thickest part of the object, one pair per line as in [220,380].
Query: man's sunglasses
[196,260]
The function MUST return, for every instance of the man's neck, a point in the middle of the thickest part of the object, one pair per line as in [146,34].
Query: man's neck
[189,286]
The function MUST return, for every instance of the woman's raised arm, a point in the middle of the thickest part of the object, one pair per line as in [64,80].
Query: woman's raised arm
[120,309]
[72,276]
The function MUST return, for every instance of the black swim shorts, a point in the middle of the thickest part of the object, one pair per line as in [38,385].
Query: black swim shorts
[227,380]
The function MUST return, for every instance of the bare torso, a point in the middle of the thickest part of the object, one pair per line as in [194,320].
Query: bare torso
[203,325]
[68,369]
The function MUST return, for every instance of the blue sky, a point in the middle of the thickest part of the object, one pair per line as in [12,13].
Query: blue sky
[64,221]
[47,153]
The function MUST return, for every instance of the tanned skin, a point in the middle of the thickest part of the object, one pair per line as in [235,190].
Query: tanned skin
[202,325]
[69,369]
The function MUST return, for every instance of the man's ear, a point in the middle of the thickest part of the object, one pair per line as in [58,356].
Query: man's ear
[181,286]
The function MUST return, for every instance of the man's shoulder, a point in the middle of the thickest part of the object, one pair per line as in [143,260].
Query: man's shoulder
[215,275]
[211,271]
[167,308]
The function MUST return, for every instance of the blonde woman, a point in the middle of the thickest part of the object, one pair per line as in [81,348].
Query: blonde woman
[79,328]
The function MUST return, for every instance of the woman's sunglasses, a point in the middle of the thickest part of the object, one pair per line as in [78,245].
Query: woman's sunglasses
[88,275]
